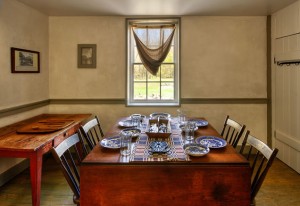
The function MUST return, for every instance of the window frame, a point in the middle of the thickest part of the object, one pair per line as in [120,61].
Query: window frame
[130,63]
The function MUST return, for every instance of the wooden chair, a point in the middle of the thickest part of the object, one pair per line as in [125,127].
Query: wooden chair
[261,158]
[90,134]
[232,131]
[68,157]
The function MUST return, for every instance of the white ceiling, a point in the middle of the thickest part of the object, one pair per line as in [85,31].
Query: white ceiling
[157,7]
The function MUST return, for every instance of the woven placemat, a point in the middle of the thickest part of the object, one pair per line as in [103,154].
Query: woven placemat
[140,152]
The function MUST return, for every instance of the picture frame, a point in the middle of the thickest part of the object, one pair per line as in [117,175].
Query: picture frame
[24,61]
[86,55]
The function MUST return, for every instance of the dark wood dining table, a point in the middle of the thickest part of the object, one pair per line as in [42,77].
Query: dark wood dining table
[33,137]
[221,177]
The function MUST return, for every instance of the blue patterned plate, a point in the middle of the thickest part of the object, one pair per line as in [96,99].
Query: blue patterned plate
[200,122]
[158,147]
[111,142]
[211,141]
[195,149]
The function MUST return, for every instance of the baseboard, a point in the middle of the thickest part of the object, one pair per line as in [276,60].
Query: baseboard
[13,171]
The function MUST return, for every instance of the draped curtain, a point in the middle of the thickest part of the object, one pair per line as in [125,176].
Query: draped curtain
[152,45]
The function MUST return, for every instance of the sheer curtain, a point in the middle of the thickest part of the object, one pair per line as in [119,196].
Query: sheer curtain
[153,44]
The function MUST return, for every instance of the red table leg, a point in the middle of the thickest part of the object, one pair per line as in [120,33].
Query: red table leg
[36,176]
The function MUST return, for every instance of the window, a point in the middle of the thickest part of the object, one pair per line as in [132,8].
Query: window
[144,88]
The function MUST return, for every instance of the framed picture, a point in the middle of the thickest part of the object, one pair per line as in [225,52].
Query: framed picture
[24,61]
[87,55]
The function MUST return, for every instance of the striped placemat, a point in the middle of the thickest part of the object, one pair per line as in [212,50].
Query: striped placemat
[140,152]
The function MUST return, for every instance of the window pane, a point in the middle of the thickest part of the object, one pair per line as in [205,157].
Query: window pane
[136,55]
[167,72]
[139,91]
[167,91]
[170,56]
[153,39]
[153,90]
[151,36]
[139,73]
[154,78]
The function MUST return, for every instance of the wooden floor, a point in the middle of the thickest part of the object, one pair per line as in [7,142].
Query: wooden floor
[281,188]
[55,190]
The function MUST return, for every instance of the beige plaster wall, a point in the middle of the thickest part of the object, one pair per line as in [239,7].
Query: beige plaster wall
[223,57]
[105,81]
[26,28]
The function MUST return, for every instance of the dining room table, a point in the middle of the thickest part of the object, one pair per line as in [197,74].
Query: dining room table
[33,137]
[219,177]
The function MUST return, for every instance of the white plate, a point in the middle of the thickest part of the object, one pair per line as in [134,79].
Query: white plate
[195,149]
[111,142]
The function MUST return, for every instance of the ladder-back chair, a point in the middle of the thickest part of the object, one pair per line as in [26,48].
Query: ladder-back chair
[68,157]
[261,158]
[90,134]
[232,131]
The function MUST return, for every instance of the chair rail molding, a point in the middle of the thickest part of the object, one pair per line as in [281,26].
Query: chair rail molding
[23,108]
[27,107]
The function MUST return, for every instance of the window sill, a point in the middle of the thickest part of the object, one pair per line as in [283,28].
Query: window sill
[153,104]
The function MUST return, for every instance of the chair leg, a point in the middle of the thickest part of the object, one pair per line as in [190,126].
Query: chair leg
[76,200]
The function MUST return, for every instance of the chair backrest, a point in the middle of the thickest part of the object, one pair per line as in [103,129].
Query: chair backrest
[261,157]
[232,131]
[68,157]
[90,134]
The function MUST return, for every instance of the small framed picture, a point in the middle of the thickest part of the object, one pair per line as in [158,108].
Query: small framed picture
[24,61]
[87,55]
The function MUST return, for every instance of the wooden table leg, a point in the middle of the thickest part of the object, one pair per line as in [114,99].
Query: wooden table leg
[36,176]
